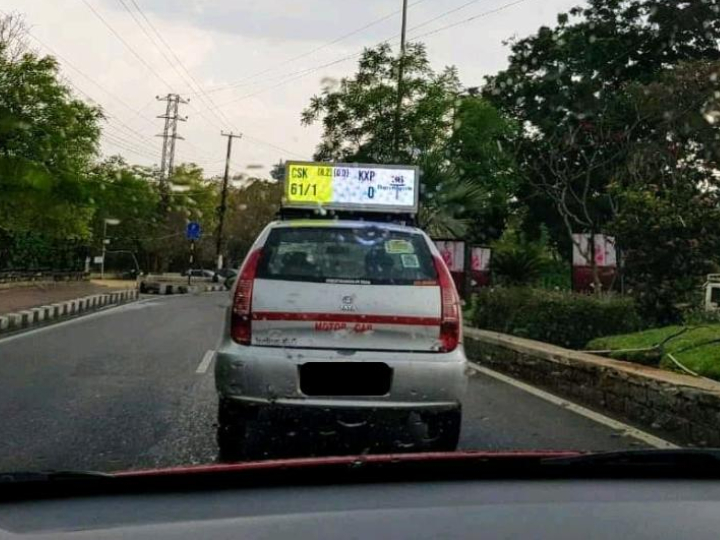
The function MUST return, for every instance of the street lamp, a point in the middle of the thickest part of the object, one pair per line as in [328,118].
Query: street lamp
[106,222]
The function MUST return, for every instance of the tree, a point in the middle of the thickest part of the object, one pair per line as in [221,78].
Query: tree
[570,88]
[129,194]
[481,150]
[446,197]
[668,195]
[48,140]
[458,140]
[358,116]
[250,209]
[192,197]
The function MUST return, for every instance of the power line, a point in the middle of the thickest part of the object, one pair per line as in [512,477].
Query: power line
[313,51]
[300,74]
[185,75]
[470,19]
[213,106]
[91,80]
[108,92]
[425,23]
[127,45]
[271,145]
[129,142]
[134,53]
[162,40]
[445,14]
[111,139]
[304,73]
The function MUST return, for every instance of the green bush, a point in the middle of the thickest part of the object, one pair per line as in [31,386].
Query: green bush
[556,275]
[562,318]
[519,264]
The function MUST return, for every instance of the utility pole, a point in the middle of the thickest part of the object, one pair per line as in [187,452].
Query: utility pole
[223,197]
[169,136]
[401,67]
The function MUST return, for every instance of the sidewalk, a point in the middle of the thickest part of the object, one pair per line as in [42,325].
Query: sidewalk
[23,298]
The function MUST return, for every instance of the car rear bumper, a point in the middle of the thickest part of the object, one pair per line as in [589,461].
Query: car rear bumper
[262,376]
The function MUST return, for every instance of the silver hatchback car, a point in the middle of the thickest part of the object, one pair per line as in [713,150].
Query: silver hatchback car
[342,317]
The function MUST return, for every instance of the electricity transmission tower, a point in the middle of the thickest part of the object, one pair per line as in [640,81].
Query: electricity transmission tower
[169,134]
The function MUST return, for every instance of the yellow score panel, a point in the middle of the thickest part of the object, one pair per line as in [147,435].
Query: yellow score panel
[310,183]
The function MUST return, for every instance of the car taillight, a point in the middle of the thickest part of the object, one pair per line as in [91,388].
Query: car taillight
[450,314]
[241,318]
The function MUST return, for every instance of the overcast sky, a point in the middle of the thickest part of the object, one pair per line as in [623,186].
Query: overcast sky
[251,59]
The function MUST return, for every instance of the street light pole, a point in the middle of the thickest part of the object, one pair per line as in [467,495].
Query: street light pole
[401,68]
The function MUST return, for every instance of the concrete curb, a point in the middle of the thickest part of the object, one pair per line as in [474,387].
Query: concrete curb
[683,408]
[175,288]
[42,315]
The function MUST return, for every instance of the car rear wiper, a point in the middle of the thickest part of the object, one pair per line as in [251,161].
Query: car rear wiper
[24,477]
[675,459]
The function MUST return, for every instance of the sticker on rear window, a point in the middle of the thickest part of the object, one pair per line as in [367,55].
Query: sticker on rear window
[397,247]
[410,261]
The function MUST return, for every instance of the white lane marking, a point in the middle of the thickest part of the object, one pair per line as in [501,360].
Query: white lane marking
[205,362]
[630,431]
[133,304]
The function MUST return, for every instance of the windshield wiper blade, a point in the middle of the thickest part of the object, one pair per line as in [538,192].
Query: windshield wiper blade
[23,477]
[676,458]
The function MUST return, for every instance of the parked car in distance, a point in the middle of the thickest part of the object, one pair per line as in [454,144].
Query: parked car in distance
[224,274]
[200,273]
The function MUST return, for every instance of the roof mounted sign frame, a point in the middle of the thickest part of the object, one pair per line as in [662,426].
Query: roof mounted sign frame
[354,187]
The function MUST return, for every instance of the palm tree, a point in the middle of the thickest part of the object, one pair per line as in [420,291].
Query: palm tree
[445,197]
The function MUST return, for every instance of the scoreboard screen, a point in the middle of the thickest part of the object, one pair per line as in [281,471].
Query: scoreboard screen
[343,186]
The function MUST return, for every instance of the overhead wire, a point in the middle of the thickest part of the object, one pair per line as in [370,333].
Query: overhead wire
[187,76]
[127,45]
[132,50]
[313,51]
[159,43]
[108,117]
[473,18]
[304,73]
[359,53]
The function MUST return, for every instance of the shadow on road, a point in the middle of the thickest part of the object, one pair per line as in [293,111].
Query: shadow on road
[282,436]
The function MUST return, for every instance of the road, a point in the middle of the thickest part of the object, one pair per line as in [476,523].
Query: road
[132,387]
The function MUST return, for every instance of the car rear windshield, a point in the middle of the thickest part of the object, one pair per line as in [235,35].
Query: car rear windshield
[365,255]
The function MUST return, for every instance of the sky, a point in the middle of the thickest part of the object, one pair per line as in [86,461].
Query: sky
[250,66]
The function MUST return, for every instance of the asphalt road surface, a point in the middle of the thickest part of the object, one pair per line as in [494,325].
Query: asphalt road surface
[132,387]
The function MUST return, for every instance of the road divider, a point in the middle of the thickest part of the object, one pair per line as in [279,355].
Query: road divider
[682,408]
[154,287]
[38,316]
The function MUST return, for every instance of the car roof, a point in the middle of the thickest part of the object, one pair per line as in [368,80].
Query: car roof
[345,224]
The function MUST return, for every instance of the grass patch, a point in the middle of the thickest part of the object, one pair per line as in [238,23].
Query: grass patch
[691,348]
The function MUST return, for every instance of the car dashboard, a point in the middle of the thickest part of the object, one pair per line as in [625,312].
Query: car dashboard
[538,509]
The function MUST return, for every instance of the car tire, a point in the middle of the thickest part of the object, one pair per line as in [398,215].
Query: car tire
[231,431]
[447,426]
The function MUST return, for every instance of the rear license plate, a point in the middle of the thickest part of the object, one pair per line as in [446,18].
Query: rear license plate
[345,379]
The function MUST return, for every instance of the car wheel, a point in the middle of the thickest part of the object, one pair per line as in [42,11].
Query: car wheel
[231,431]
[446,428]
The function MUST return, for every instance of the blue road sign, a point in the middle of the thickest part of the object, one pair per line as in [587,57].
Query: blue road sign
[193,230]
